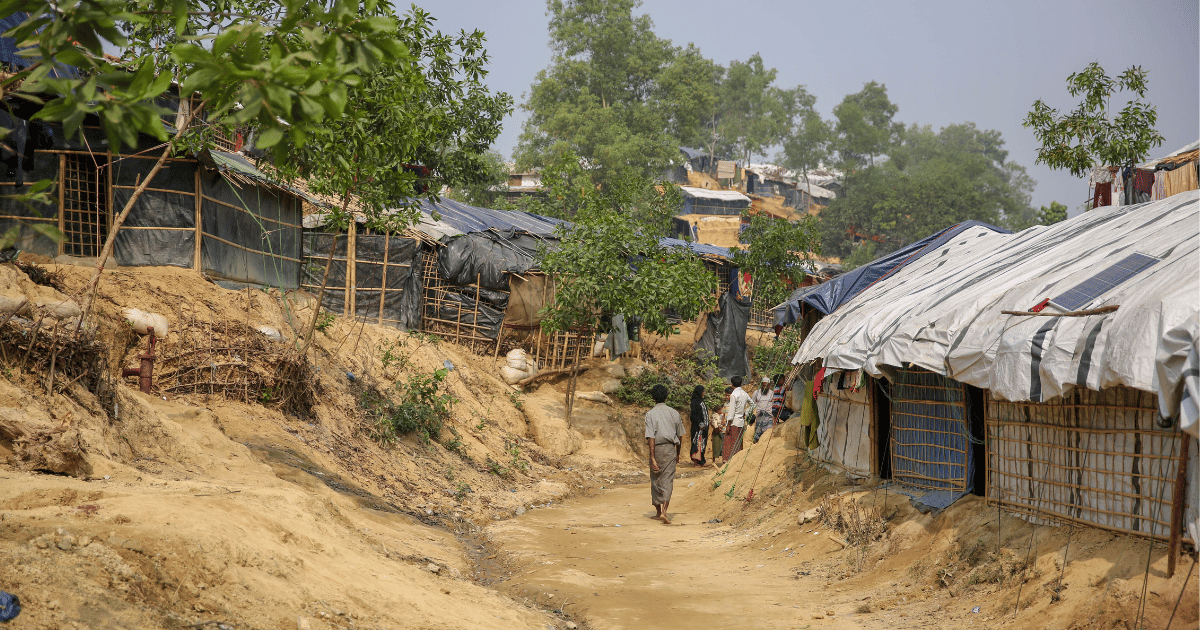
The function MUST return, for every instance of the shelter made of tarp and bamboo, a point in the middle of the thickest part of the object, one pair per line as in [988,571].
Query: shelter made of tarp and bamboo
[1062,404]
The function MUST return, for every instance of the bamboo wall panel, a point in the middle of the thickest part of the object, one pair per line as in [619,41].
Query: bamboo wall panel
[1088,457]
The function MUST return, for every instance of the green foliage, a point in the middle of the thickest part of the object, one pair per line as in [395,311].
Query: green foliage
[428,107]
[600,98]
[863,253]
[516,463]
[681,374]
[1091,135]
[752,113]
[515,398]
[610,261]
[931,181]
[807,146]
[1053,214]
[419,407]
[454,445]
[486,186]
[864,126]
[326,319]
[776,357]
[777,255]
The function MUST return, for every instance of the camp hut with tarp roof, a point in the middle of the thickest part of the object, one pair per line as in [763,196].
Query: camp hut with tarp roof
[213,211]
[1056,328]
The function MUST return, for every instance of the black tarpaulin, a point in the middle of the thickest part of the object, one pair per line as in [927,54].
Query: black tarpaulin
[386,268]
[161,227]
[725,336]
[486,257]
[14,214]
[251,232]
[316,256]
[456,307]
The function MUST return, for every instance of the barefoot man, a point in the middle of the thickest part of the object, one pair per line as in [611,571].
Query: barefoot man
[664,433]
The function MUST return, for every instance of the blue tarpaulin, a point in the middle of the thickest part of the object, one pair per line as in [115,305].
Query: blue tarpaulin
[828,296]
[930,437]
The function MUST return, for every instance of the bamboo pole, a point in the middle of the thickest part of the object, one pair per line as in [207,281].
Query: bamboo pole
[199,224]
[387,248]
[348,296]
[62,201]
[1185,444]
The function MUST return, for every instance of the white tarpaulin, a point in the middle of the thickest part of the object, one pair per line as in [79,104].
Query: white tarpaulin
[943,311]
[844,432]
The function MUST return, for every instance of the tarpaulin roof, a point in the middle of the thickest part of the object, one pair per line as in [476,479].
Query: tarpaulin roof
[828,296]
[10,52]
[943,310]
[722,195]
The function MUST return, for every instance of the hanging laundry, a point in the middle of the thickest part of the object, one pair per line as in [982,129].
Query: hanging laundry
[1160,187]
[817,381]
[1103,195]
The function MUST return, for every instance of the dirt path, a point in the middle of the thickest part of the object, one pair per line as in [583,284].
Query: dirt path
[605,560]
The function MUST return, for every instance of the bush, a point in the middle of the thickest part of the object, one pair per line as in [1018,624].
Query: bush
[681,375]
[421,408]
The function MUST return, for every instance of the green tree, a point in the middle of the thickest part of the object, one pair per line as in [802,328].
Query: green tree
[777,255]
[807,146]
[752,113]
[930,181]
[572,194]
[864,128]
[605,266]
[600,97]
[1053,214]
[487,187]
[1091,135]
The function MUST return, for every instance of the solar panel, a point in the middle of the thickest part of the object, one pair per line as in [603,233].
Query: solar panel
[1099,284]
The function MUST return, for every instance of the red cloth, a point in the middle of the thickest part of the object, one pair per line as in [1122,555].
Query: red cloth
[732,443]
[1143,181]
[817,382]
[1103,196]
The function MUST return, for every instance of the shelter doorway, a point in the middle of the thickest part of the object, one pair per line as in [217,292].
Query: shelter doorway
[84,214]
[883,427]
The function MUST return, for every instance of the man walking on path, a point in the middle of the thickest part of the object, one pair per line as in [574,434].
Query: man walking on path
[762,399]
[664,434]
[739,407]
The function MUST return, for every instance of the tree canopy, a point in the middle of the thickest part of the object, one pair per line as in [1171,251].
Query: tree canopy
[931,180]
[1094,134]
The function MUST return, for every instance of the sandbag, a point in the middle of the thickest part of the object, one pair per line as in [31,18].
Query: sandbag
[13,305]
[58,308]
[512,375]
[141,322]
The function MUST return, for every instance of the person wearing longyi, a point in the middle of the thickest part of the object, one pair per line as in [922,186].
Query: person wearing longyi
[664,434]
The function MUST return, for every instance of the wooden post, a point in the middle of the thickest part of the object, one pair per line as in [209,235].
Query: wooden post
[478,299]
[1177,496]
[199,229]
[62,202]
[387,243]
[348,303]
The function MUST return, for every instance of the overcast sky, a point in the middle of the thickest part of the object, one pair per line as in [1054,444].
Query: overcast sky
[942,62]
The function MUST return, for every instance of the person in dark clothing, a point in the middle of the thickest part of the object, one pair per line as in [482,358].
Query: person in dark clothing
[699,425]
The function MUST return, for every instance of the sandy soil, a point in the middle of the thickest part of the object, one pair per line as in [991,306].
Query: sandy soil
[725,560]
[197,510]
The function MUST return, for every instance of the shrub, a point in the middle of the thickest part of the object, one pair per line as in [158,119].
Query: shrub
[680,374]
[421,408]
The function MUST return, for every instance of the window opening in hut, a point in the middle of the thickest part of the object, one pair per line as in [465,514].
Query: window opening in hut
[1101,283]
[85,205]
[976,414]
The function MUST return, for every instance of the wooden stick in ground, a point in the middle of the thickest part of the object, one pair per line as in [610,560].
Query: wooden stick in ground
[89,290]
[1185,444]
[53,356]
[312,325]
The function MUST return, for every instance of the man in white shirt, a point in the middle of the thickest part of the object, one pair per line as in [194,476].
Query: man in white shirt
[763,398]
[739,406]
